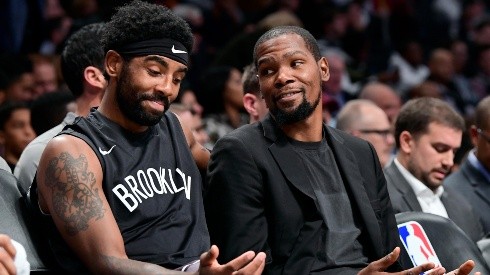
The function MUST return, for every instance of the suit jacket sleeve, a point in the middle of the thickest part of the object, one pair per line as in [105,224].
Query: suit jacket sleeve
[234,202]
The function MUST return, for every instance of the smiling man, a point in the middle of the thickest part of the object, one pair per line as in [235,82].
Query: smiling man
[312,197]
[427,133]
[119,190]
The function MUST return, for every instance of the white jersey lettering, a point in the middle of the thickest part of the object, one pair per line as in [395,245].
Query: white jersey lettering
[124,196]
[134,187]
[148,191]
[150,182]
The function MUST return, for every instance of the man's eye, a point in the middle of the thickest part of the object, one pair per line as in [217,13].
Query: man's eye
[153,72]
[265,72]
[296,63]
[441,149]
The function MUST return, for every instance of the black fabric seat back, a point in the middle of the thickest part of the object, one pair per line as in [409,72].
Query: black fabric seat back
[450,243]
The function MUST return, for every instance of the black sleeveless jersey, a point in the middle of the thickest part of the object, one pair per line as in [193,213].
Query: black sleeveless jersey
[153,187]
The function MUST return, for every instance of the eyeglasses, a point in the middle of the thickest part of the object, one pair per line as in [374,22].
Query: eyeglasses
[383,133]
[485,136]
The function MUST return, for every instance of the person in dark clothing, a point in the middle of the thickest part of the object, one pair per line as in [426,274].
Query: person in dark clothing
[122,188]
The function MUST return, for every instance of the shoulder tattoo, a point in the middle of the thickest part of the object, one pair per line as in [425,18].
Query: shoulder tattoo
[75,195]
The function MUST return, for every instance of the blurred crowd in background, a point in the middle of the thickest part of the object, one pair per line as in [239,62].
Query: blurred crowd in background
[387,51]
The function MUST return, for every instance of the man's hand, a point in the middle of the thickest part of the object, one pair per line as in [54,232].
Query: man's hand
[464,269]
[379,266]
[7,254]
[247,263]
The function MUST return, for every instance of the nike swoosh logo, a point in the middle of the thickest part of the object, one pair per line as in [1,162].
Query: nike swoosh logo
[106,152]
[174,50]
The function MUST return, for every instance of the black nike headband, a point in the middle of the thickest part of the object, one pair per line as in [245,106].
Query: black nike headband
[162,46]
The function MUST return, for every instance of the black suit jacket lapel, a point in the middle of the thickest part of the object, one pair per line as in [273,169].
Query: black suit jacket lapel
[401,184]
[354,181]
[477,181]
[286,158]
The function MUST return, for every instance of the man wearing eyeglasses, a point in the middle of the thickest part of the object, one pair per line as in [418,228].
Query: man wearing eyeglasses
[472,180]
[364,119]
[427,133]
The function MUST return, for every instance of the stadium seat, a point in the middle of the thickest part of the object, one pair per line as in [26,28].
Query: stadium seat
[15,223]
[484,245]
[451,245]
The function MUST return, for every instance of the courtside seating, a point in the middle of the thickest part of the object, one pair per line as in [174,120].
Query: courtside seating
[452,246]
[14,221]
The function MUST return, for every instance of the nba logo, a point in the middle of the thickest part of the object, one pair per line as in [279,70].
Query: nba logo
[417,244]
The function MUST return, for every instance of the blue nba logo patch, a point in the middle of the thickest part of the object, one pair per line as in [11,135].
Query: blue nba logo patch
[417,244]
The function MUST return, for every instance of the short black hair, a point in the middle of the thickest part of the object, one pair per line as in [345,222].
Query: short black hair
[49,110]
[250,81]
[139,21]
[12,67]
[416,115]
[82,49]
[308,38]
[6,110]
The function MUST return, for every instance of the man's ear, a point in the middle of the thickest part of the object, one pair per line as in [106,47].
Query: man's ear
[113,63]
[406,142]
[249,103]
[324,69]
[94,77]
[474,135]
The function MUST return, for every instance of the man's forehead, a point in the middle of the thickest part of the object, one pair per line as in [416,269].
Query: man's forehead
[162,60]
[286,47]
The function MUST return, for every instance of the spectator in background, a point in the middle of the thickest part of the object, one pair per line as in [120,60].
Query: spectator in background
[425,89]
[408,63]
[459,49]
[252,99]
[238,51]
[441,67]
[190,120]
[329,107]
[15,130]
[221,95]
[473,177]
[428,131]
[383,96]
[45,74]
[188,98]
[362,118]
[49,110]
[16,78]
[480,83]
[336,86]
[82,67]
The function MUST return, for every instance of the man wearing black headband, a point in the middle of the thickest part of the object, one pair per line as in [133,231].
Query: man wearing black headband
[121,187]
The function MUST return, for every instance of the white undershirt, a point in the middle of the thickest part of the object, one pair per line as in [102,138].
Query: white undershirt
[429,201]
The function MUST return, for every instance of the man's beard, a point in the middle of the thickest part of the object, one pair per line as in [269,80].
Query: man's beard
[303,111]
[129,101]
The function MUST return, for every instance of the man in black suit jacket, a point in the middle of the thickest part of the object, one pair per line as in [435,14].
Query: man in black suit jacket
[427,132]
[472,180]
[312,197]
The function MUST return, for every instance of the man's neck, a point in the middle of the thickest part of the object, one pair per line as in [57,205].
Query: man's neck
[85,103]
[309,129]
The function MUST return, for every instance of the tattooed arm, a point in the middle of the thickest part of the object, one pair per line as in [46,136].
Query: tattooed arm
[70,189]
[200,154]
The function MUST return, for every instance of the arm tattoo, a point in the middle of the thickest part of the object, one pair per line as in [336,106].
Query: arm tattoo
[75,195]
